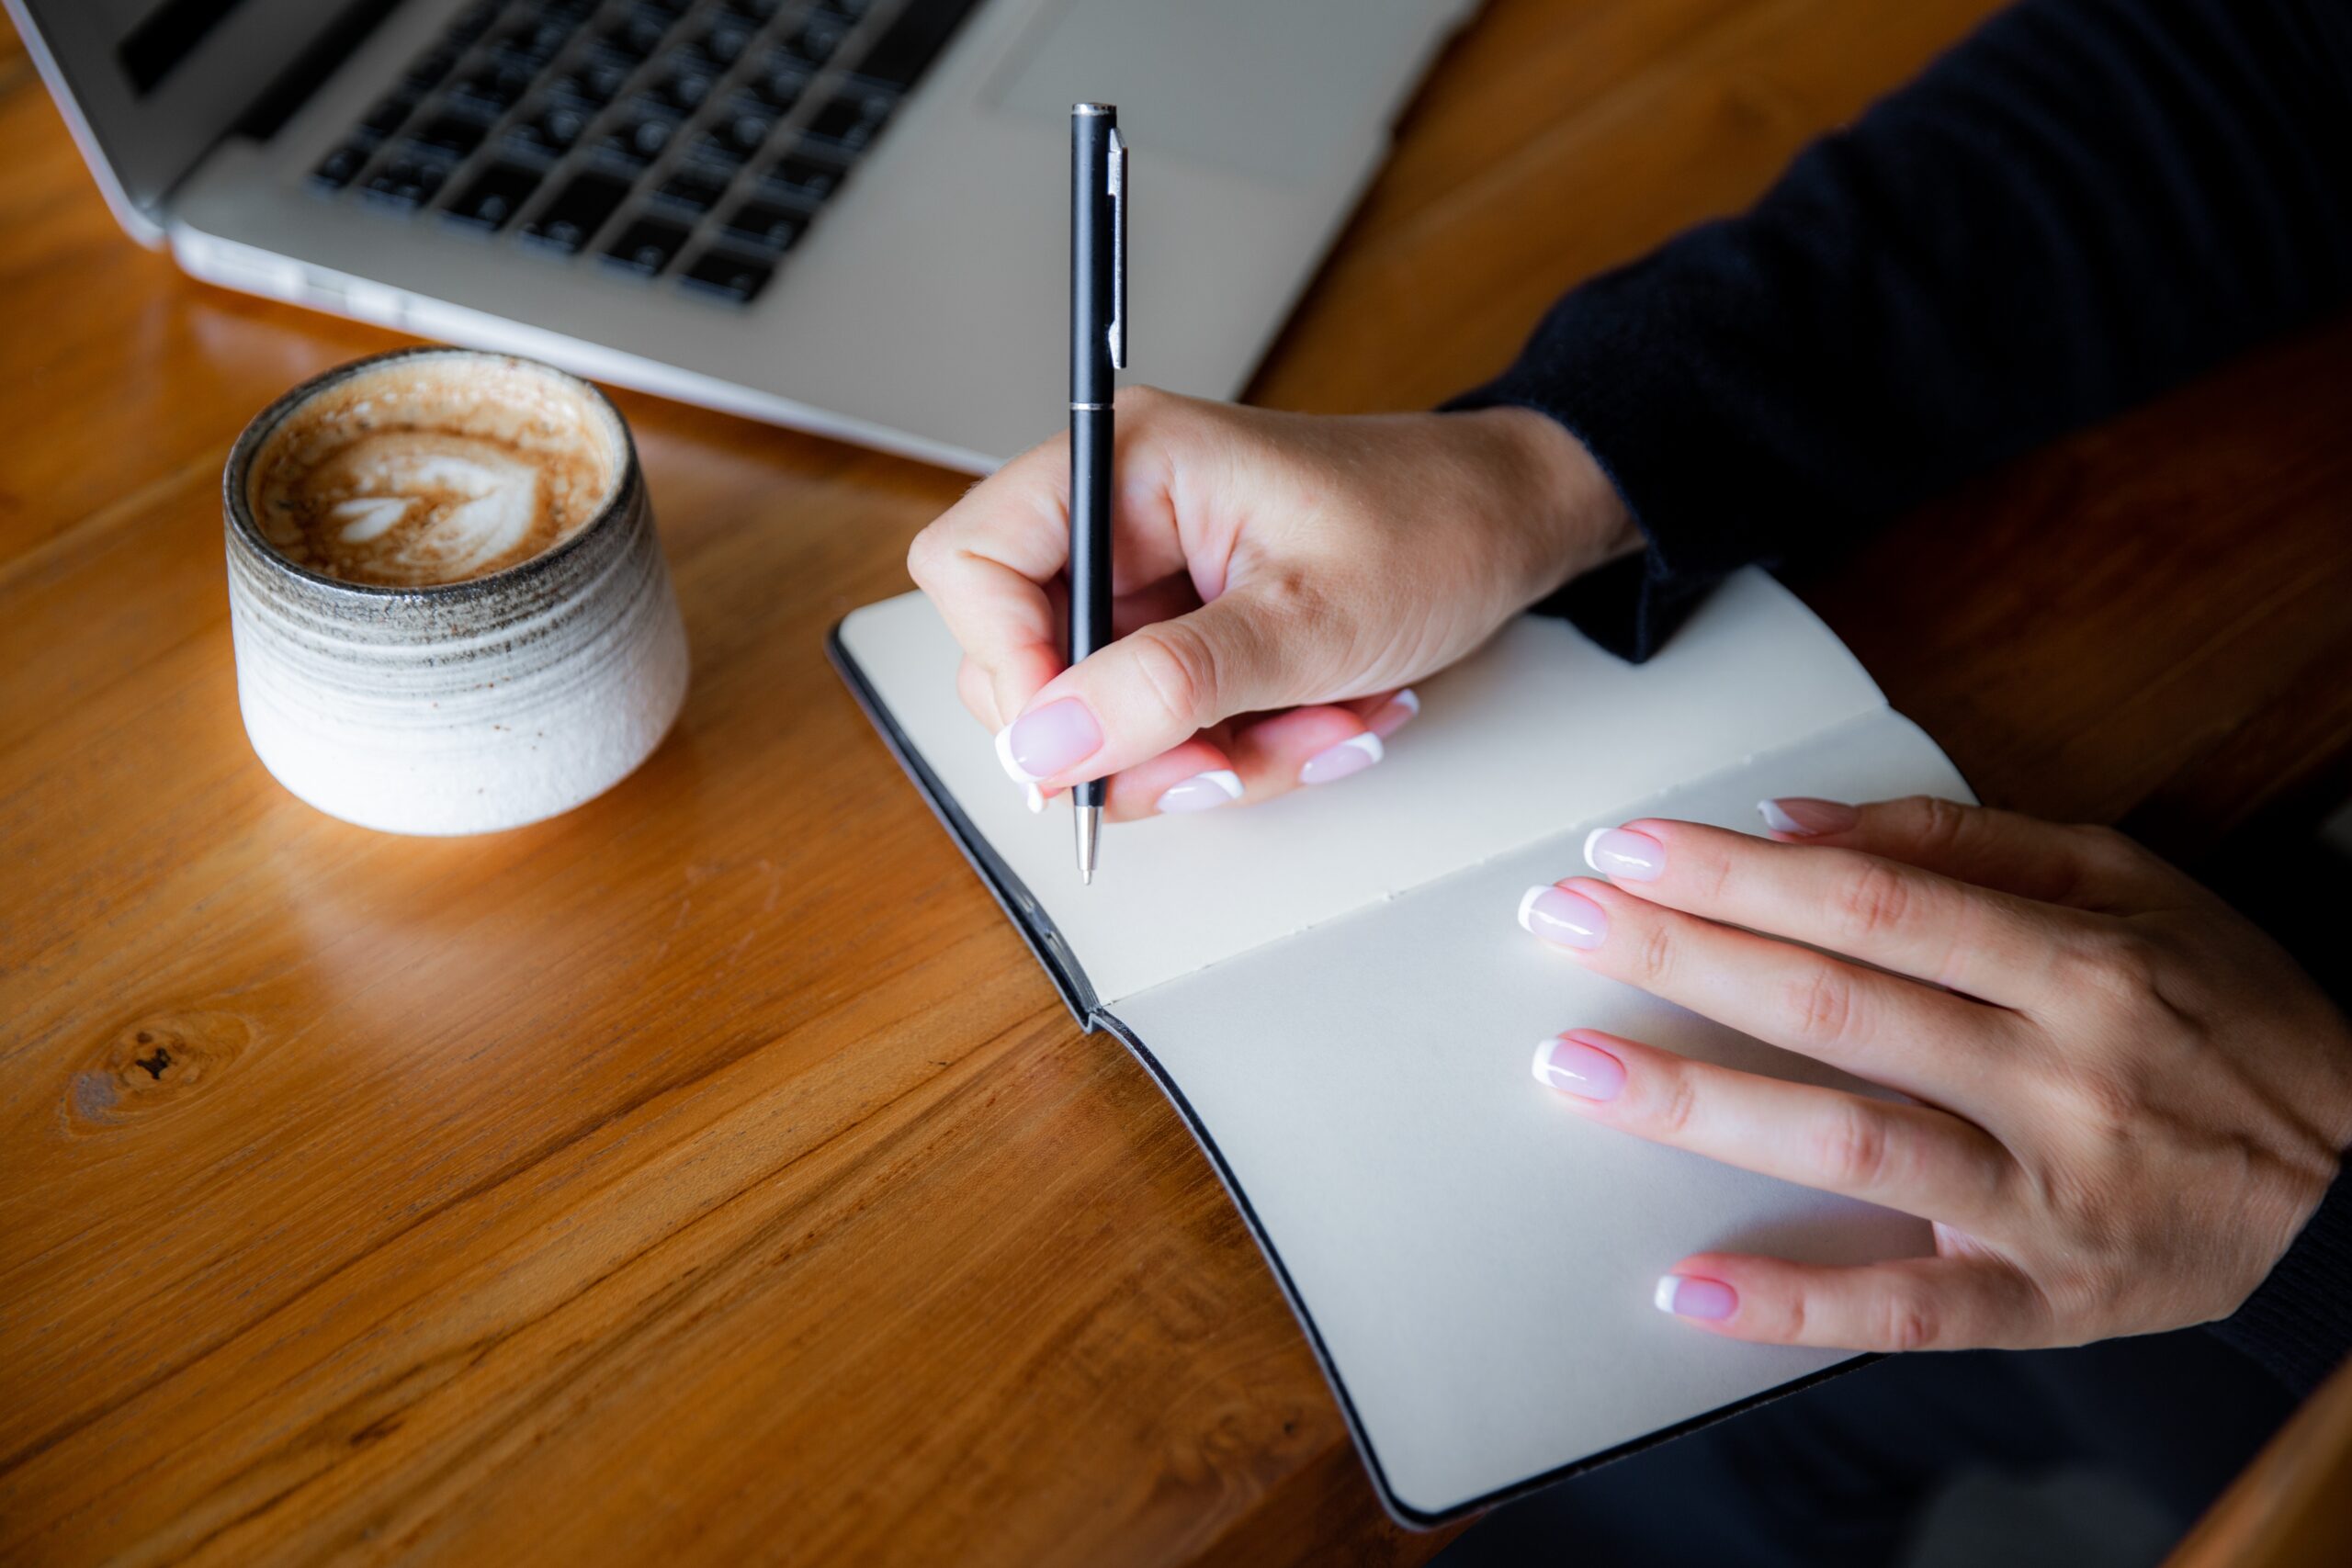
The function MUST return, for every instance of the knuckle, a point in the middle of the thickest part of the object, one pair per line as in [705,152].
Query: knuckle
[2115,961]
[1177,670]
[1653,954]
[1821,1006]
[1909,1320]
[2105,850]
[1940,823]
[1852,1148]
[1675,1107]
[1707,874]
[1872,902]
[2107,1100]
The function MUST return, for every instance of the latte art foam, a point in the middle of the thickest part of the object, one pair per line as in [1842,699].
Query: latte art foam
[434,469]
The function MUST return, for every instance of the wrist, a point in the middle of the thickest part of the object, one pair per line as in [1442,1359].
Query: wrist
[1575,518]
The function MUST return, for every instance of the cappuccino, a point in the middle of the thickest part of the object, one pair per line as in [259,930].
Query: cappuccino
[431,468]
[449,601]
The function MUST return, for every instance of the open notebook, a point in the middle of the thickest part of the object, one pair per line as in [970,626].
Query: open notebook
[1333,990]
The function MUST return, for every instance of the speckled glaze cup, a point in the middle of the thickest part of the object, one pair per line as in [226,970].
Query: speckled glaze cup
[459,708]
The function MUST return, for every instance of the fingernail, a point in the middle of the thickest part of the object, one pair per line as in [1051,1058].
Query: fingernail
[1037,798]
[1803,815]
[1038,745]
[1201,792]
[1352,755]
[1624,856]
[1574,1067]
[1395,714]
[1685,1295]
[1568,918]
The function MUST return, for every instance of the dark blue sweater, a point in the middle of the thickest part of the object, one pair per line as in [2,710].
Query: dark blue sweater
[2084,204]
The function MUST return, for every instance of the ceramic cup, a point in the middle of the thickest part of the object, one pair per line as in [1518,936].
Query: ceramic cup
[459,708]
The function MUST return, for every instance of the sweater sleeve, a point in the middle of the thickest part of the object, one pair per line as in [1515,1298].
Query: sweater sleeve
[2298,1323]
[2083,204]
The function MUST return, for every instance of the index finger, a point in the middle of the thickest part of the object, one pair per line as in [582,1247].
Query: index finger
[1990,946]
[985,563]
[988,560]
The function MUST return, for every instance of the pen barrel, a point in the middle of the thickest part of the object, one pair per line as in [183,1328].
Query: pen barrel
[1092,266]
[1089,531]
[1090,547]
[1092,226]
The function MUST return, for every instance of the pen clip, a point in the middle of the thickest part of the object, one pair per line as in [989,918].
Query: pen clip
[1117,162]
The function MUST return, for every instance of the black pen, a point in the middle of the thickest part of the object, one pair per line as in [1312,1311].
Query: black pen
[1098,345]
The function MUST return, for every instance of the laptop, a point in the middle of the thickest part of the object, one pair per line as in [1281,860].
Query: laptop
[848,216]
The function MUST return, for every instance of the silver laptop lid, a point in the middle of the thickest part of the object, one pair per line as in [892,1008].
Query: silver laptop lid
[150,86]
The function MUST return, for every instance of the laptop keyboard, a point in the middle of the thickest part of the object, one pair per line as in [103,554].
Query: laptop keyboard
[689,142]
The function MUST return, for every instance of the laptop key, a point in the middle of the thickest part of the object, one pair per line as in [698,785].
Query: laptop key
[591,82]
[572,220]
[780,80]
[738,133]
[633,142]
[852,117]
[692,187]
[493,198]
[813,42]
[728,276]
[532,43]
[683,87]
[407,179]
[340,167]
[455,135]
[646,246]
[633,38]
[490,89]
[913,40]
[764,227]
[391,113]
[723,42]
[804,180]
[549,132]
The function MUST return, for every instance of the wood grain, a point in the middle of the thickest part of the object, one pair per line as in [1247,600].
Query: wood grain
[708,1176]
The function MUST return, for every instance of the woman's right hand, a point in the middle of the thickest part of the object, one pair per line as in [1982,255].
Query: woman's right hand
[1279,579]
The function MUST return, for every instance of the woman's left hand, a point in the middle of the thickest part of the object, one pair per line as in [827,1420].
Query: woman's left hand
[2123,1101]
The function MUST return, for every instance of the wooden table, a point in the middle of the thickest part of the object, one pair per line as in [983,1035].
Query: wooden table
[709,1174]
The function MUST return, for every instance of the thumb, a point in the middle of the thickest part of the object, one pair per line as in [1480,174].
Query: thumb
[1150,690]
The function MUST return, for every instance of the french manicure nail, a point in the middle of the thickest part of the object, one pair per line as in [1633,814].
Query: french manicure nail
[1201,792]
[1056,737]
[1686,1295]
[1556,915]
[1574,1067]
[1806,817]
[1036,799]
[1352,755]
[1395,714]
[1624,856]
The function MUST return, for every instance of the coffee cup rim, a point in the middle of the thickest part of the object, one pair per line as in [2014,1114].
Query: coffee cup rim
[239,509]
